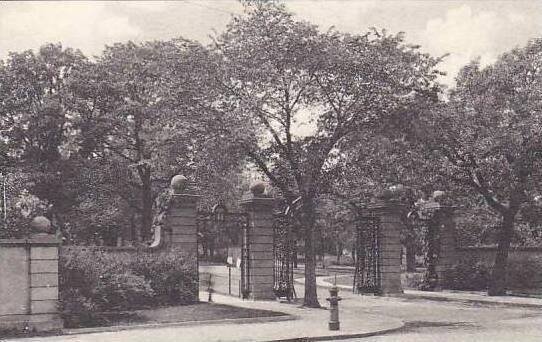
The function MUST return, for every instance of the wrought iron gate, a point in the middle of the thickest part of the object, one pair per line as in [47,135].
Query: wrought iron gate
[228,230]
[283,257]
[367,278]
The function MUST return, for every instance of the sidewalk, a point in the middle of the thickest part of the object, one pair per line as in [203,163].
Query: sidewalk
[304,324]
[453,296]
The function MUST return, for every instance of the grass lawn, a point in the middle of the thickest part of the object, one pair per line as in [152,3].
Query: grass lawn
[185,313]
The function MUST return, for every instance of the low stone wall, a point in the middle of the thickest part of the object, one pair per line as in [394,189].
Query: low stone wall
[29,283]
[487,254]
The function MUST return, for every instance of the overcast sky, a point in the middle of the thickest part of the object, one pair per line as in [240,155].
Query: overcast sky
[465,29]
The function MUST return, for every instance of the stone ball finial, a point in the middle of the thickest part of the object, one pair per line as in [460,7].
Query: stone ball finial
[178,183]
[41,224]
[257,188]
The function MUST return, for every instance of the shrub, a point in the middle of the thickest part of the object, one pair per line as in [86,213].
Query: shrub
[122,291]
[468,274]
[172,277]
[524,273]
[95,280]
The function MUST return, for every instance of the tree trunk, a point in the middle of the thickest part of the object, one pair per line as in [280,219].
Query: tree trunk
[295,253]
[339,252]
[497,287]
[311,297]
[146,198]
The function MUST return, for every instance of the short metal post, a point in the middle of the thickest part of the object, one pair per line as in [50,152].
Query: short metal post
[210,288]
[229,279]
[334,300]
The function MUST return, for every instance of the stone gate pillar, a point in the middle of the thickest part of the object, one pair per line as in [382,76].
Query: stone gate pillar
[259,208]
[448,241]
[29,280]
[389,212]
[181,225]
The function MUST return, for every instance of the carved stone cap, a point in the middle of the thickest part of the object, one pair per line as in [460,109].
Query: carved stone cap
[249,200]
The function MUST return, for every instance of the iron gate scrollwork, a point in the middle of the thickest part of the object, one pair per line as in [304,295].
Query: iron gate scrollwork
[283,257]
[229,231]
[367,277]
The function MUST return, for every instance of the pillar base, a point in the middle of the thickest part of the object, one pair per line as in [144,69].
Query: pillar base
[334,325]
[33,322]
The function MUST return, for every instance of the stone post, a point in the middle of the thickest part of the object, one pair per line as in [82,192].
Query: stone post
[181,217]
[389,213]
[448,242]
[259,208]
[29,280]
[180,227]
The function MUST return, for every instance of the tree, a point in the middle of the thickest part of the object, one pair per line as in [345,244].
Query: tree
[487,139]
[279,72]
[138,108]
[34,120]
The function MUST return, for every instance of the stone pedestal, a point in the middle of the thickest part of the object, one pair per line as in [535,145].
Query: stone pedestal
[389,214]
[260,244]
[29,283]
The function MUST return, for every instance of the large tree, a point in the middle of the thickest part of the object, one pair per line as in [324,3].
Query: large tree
[278,73]
[487,139]
[34,121]
[138,109]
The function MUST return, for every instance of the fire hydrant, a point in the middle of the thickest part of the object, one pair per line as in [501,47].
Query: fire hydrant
[334,300]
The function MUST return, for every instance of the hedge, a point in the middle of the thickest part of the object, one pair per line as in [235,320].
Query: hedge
[472,274]
[96,281]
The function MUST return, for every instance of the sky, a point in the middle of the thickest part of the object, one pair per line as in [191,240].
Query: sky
[463,29]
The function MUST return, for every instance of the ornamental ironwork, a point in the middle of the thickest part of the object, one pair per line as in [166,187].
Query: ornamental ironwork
[367,276]
[284,253]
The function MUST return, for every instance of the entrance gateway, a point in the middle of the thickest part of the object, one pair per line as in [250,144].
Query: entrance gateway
[260,246]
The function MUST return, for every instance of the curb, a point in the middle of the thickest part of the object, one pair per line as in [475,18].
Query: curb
[247,320]
[471,301]
[326,284]
[341,337]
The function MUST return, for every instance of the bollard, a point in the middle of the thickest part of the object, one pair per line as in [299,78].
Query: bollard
[210,288]
[334,299]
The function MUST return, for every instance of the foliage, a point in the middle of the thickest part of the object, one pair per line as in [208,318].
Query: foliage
[279,73]
[20,206]
[487,139]
[92,280]
[172,277]
[467,274]
[34,120]
[523,273]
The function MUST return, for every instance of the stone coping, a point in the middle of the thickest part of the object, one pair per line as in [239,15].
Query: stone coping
[36,240]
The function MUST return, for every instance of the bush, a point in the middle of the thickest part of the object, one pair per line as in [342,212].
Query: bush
[94,280]
[172,278]
[121,291]
[468,274]
[522,273]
